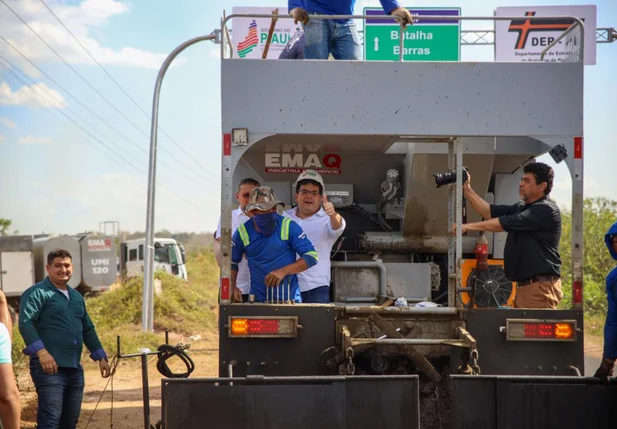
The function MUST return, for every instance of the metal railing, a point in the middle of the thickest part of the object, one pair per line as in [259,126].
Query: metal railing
[577,22]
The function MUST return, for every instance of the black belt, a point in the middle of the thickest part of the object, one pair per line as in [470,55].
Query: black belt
[537,279]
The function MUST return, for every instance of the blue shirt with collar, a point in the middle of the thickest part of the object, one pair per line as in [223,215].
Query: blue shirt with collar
[48,320]
[268,253]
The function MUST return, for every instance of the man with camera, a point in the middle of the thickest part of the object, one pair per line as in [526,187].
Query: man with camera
[531,255]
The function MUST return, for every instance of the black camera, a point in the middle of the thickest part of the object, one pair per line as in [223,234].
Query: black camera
[448,178]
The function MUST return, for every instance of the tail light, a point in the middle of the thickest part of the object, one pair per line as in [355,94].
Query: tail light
[540,330]
[263,327]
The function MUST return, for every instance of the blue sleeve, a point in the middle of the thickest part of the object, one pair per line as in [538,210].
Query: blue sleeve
[301,244]
[237,250]
[292,4]
[610,326]
[389,5]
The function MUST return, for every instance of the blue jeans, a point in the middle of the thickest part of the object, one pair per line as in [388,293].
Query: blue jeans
[319,295]
[60,396]
[323,37]
[610,326]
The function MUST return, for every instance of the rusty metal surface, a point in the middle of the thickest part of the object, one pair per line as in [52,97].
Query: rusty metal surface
[421,362]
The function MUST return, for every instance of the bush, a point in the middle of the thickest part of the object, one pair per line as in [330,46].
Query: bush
[185,308]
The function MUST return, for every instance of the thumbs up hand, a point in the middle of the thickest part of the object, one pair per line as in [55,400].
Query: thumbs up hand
[328,206]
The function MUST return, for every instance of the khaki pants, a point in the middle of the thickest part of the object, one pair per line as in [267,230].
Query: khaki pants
[539,295]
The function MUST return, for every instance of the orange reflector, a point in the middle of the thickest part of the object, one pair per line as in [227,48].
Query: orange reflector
[564,330]
[540,330]
[263,327]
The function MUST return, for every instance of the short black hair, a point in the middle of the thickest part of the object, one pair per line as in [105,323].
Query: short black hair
[308,182]
[542,173]
[248,181]
[58,253]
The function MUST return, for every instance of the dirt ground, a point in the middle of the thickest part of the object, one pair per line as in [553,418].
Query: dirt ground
[127,399]
[127,390]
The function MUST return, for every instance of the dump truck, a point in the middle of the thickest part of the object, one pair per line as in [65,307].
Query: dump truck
[458,355]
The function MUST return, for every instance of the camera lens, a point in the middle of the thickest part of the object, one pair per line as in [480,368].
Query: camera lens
[442,179]
[448,178]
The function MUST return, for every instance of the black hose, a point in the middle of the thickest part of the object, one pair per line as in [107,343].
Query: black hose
[165,352]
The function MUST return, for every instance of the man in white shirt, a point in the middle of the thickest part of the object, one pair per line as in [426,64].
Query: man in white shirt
[323,226]
[243,282]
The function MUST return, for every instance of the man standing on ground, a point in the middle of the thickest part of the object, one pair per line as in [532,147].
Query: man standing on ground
[531,254]
[323,226]
[10,407]
[55,324]
[336,37]
[610,326]
[238,217]
[270,243]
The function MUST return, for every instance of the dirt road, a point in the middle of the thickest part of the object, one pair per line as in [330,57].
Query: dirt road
[127,386]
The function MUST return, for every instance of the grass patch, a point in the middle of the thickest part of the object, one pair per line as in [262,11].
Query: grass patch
[594,323]
[185,308]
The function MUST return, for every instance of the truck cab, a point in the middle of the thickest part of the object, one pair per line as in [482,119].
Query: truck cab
[169,256]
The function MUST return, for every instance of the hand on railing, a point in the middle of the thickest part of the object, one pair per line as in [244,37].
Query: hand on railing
[299,15]
[402,16]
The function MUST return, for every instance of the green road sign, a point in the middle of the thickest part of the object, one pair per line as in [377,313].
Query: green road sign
[426,40]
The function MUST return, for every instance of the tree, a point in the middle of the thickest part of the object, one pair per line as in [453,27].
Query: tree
[598,215]
[5,224]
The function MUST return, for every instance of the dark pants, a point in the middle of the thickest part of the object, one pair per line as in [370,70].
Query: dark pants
[319,295]
[60,396]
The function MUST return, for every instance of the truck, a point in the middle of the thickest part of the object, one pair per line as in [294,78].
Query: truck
[457,355]
[16,265]
[169,256]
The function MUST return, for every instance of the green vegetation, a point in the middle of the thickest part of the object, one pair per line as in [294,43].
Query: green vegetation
[182,308]
[599,215]
[5,224]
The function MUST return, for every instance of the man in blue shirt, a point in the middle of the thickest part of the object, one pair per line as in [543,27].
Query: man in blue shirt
[610,327]
[270,243]
[54,324]
[339,37]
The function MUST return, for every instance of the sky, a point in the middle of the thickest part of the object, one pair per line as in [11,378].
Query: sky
[74,147]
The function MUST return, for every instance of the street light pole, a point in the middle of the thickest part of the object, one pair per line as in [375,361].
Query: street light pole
[148,291]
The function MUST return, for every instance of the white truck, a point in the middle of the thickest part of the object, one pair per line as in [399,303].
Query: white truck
[169,256]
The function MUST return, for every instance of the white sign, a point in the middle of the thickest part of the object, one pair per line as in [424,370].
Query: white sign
[525,39]
[249,35]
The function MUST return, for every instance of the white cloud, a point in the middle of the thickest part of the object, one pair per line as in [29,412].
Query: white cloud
[7,122]
[38,95]
[1,138]
[80,19]
[35,140]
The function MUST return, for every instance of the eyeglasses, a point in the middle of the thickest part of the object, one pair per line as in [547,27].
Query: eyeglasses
[307,192]
[246,195]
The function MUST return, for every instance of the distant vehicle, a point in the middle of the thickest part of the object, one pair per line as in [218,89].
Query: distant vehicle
[169,256]
[16,265]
